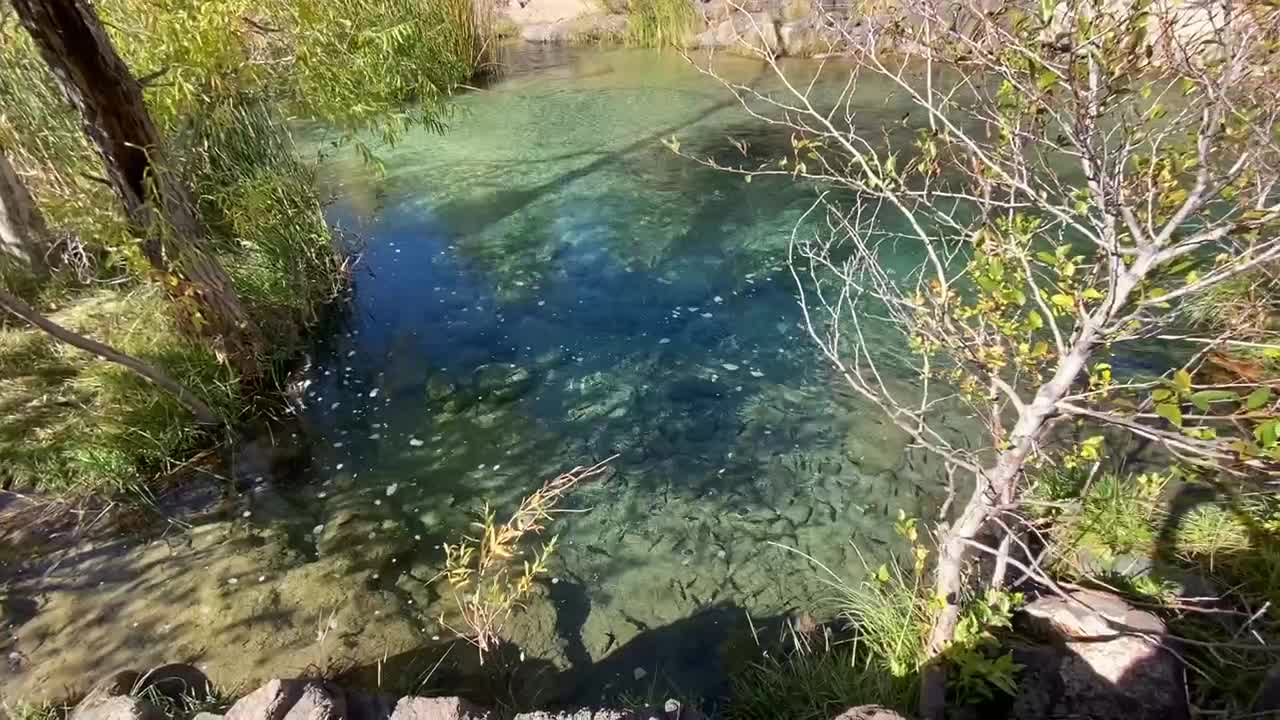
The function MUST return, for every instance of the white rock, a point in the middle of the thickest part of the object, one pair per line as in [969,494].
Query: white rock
[373,393]
[664,341]
[729,366]
[415,442]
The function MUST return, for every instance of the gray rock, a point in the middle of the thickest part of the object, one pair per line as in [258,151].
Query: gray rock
[749,34]
[319,701]
[556,32]
[269,702]
[118,707]
[1098,663]
[501,382]
[440,388]
[206,716]
[110,700]
[869,712]
[440,708]
[672,710]
[807,38]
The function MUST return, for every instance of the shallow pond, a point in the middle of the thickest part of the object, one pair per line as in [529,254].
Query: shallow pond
[546,286]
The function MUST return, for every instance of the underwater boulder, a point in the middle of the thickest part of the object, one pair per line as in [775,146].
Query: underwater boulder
[501,382]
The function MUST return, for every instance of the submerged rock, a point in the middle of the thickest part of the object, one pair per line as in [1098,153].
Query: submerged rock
[501,382]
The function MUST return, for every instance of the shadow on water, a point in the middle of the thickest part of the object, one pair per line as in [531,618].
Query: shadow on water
[690,659]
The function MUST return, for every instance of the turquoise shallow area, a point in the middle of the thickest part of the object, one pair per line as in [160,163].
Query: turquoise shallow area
[638,305]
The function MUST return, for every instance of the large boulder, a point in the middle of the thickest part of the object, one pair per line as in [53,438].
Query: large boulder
[748,34]
[1102,661]
[807,38]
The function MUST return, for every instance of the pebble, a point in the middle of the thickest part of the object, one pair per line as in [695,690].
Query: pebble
[373,393]
[718,299]
[707,315]
[664,341]
[729,366]
[415,442]
[639,673]
[392,488]
[338,466]
[757,374]
[376,436]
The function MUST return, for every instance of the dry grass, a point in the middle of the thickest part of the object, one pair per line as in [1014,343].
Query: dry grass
[492,574]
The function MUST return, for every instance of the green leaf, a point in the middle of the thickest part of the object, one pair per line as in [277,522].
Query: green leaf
[1182,381]
[1047,258]
[1063,300]
[882,573]
[1034,321]
[1257,398]
[1266,433]
[1092,294]
[1170,412]
[1162,395]
[1203,398]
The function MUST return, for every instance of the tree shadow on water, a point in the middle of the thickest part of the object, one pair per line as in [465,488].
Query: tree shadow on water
[690,659]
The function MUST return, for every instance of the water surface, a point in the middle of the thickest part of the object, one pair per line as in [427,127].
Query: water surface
[647,299]
[544,286]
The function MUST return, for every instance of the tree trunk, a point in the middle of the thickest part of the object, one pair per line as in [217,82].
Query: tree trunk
[23,235]
[157,202]
[203,414]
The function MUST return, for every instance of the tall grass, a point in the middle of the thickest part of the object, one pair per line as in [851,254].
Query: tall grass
[260,200]
[815,683]
[660,23]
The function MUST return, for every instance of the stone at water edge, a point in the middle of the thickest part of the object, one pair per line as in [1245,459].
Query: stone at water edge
[1091,668]
[269,702]
[440,708]
[319,701]
[869,712]
[119,707]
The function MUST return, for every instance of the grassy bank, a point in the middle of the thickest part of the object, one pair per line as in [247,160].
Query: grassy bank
[73,424]
[220,83]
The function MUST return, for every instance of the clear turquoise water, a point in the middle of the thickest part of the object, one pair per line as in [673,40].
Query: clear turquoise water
[647,298]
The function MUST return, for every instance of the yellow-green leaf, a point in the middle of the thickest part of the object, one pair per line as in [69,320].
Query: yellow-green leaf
[1170,412]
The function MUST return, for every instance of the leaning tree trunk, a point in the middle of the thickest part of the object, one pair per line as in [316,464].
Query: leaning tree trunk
[203,414]
[157,202]
[23,234]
